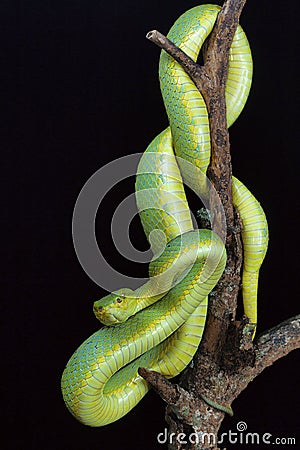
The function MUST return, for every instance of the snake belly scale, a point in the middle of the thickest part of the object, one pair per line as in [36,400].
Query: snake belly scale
[160,325]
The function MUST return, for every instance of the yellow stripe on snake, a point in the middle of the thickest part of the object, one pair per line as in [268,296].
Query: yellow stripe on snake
[159,326]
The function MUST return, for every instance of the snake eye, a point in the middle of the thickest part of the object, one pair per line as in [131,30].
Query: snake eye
[118,300]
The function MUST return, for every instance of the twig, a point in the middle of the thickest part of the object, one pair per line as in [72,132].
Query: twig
[276,343]
[193,69]
[167,390]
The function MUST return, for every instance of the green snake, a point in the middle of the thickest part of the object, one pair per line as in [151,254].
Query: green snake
[159,325]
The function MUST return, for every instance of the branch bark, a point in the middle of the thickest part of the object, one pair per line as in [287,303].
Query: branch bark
[276,343]
[268,348]
[227,360]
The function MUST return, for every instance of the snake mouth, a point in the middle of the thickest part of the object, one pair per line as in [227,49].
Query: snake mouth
[108,318]
[116,320]
[112,319]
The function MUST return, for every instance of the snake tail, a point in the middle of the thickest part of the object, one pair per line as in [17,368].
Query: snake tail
[226,409]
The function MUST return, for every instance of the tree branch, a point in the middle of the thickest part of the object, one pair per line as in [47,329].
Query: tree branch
[210,79]
[276,343]
[192,69]
[269,347]
[226,360]
[167,390]
[180,403]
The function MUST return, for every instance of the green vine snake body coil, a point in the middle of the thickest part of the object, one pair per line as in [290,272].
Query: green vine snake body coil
[100,383]
[190,129]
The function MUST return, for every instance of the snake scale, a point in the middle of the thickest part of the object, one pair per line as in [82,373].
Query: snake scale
[160,324]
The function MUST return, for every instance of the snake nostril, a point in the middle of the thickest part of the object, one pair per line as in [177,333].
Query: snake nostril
[99,308]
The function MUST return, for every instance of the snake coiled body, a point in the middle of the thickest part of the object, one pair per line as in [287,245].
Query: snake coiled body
[166,316]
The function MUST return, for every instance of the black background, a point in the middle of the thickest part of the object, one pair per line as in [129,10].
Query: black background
[81,89]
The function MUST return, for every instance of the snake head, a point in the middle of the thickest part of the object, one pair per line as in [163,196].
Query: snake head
[116,307]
